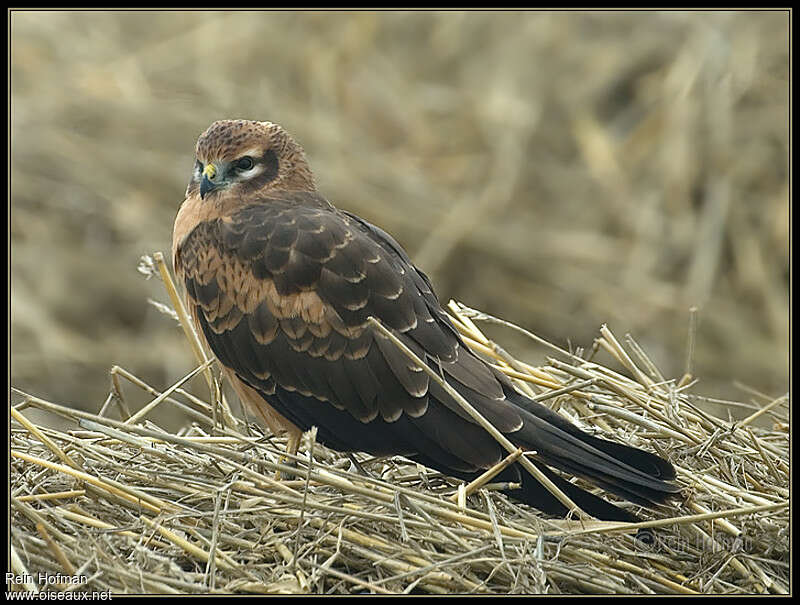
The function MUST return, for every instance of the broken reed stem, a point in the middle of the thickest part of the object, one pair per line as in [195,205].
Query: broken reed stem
[33,430]
[163,396]
[690,341]
[761,412]
[191,549]
[112,487]
[183,316]
[215,395]
[466,313]
[479,482]
[67,495]
[682,520]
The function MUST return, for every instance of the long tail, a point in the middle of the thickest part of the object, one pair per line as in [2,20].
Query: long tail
[631,473]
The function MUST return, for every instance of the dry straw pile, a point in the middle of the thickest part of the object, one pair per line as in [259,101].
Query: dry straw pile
[132,508]
[560,169]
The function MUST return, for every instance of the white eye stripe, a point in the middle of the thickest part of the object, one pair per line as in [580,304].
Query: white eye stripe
[249,174]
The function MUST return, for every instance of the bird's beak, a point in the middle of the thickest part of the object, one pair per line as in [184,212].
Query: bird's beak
[208,184]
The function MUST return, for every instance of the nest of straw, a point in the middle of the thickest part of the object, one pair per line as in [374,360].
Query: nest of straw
[122,505]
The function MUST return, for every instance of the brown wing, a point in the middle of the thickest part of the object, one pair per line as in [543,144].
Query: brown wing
[282,290]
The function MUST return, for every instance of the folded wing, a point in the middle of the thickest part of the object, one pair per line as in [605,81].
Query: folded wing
[282,291]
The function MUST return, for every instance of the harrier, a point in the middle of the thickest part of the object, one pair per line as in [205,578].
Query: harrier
[281,285]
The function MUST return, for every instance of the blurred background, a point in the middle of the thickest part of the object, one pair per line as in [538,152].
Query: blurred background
[560,170]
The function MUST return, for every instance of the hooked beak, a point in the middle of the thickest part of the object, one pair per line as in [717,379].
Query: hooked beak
[209,176]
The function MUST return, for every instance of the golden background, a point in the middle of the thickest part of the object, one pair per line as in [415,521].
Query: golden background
[560,170]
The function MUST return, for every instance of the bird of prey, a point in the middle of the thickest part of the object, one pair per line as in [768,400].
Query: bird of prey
[281,284]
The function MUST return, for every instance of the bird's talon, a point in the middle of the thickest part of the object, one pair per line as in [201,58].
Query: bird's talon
[283,475]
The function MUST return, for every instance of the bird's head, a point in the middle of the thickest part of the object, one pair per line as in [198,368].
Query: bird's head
[238,157]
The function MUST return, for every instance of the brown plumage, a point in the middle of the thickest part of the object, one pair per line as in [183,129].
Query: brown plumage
[281,285]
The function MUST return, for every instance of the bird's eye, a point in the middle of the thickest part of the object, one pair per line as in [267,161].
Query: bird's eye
[244,163]
[198,167]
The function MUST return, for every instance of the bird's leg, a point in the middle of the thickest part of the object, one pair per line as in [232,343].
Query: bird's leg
[253,402]
[292,444]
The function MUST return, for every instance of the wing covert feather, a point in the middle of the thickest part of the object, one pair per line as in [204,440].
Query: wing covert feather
[281,283]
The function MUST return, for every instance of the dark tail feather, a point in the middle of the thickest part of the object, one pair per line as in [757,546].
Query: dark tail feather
[628,472]
[648,463]
[537,495]
[633,491]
